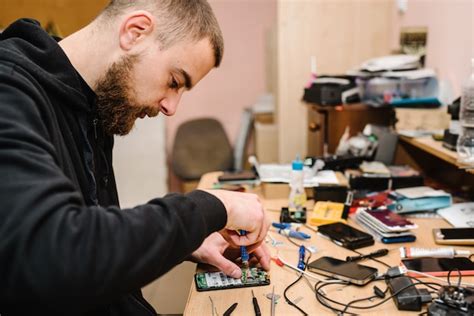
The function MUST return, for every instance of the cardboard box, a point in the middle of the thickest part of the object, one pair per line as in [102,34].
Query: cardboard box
[266,142]
[422,119]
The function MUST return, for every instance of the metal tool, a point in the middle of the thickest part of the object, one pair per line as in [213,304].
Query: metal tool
[272,310]
[256,308]
[214,309]
[229,311]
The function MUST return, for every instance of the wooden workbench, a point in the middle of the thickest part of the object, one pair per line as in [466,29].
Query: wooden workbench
[199,304]
[435,148]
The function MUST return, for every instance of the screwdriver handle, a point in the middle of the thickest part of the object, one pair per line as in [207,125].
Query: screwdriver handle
[256,307]
[375,254]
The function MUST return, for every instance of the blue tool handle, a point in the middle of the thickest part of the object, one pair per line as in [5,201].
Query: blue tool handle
[298,235]
[243,249]
[281,225]
[302,253]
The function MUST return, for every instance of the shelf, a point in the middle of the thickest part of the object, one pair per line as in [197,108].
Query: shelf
[435,148]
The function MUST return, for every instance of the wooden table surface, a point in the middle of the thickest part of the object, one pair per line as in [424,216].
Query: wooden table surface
[436,148]
[199,304]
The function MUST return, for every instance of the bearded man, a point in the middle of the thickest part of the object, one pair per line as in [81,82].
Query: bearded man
[66,246]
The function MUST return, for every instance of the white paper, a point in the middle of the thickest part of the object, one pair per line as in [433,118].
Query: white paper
[459,215]
[282,173]
[420,192]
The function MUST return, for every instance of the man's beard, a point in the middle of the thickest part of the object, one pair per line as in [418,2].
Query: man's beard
[116,105]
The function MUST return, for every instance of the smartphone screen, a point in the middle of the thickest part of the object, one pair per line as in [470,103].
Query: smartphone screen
[343,270]
[440,266]
[457,233]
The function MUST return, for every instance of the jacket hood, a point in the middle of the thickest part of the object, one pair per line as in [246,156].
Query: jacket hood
[26,45]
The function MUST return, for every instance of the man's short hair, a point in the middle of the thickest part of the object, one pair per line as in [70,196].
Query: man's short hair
[177,20]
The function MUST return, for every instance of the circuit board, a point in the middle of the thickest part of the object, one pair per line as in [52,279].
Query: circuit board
[208,281]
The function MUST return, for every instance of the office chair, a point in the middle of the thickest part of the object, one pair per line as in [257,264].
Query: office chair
[200,146]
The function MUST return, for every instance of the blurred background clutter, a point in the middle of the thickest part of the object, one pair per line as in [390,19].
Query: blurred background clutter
[375,80]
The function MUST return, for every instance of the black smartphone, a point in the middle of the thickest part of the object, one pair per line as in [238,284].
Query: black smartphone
[346,236]
[209,281]
[343,270]
[440,266]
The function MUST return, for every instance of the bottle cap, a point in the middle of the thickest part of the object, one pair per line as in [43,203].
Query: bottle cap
[297,164]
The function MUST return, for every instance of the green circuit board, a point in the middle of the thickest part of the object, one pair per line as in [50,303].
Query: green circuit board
[208,281]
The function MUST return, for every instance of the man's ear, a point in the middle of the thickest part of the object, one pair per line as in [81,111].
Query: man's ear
[135,27]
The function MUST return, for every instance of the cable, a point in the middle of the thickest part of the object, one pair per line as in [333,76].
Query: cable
[373,259]
[293,242]
[319,295]
[425,283]
[291,303]
[459,277]
[309,275]
[288,300]
[358,300]
[438,279]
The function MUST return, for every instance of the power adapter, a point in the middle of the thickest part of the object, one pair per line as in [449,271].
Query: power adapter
[409,299]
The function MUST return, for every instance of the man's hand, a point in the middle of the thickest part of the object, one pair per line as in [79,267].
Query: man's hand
[244,211]
[216,251]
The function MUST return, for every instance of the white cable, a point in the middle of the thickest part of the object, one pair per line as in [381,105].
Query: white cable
[436,278]
[309,275]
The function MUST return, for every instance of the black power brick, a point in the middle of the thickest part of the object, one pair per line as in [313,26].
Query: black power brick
[411,298]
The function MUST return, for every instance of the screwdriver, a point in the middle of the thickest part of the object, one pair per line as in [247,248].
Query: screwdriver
[255,305]
[245,259]
[379,253]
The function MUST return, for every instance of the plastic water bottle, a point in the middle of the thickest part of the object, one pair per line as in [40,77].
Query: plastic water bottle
[465,144]
[297,198]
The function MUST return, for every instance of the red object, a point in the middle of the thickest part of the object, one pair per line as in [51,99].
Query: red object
[278,262]
[371,201]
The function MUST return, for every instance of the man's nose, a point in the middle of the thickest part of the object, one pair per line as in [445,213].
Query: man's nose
[170,104]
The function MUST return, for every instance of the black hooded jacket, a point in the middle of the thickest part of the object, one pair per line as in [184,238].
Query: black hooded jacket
[66,248]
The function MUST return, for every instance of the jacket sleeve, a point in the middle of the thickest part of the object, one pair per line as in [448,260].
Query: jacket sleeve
[54,249]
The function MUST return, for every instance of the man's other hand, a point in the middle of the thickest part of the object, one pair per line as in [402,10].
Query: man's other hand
[216,251]
[244,211]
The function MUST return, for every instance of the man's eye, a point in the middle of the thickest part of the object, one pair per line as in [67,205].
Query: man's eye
[174,84]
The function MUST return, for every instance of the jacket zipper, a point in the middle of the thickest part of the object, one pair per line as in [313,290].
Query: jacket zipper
[94,122]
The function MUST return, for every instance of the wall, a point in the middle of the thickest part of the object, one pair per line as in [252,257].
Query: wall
[237,83]
[69,15]
[450,36]
[140,162]
[139,158]
[340,34]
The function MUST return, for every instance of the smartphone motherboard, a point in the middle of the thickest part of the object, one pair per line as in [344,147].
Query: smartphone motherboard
[208,281]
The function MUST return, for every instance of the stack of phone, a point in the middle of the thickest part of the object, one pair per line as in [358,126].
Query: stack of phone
[386,226]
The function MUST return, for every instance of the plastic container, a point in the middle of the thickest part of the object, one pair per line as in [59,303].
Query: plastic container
[465,144]
[466,114]
[388,89]
[297,199]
